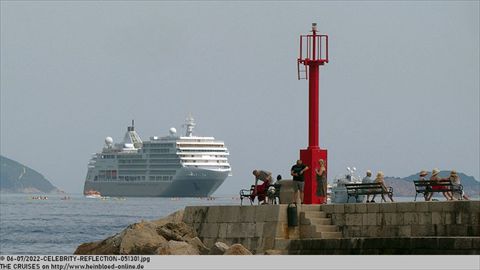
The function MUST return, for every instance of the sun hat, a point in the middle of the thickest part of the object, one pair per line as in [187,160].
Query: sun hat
[380,174]
[453,172]
[423,173]
[368,171]
[435,171]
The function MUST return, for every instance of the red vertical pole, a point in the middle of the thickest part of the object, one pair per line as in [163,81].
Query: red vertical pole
[313,96]
[313,153]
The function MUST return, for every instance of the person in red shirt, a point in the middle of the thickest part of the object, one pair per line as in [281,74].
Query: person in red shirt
[261,190]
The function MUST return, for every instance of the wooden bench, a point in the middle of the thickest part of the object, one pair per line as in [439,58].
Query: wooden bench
[427,186]
[357,189]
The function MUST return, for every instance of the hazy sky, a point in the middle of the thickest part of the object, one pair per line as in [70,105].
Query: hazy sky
[400,94]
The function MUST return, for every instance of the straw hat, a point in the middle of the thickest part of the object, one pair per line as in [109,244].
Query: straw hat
[380,174]
[435,172]
[423,173]
[453,173]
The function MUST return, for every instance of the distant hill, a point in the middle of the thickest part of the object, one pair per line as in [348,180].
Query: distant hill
[404,186]
[18,178]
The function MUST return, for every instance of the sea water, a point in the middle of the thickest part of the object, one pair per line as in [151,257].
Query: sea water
[56,226]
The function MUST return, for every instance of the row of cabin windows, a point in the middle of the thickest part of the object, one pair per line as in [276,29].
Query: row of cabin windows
[206,161]
[161,178]
[106,175]
[134,178]
[202,145]
[162,172]
[129,156]
[163,164]
[132,166]
[215,166]
[142,166]
[130,172]
[176,165]
[158,145]
[155,158]
[210,156]
[203,151]
[156,150]
[129,161]
[161,156]
[113,173]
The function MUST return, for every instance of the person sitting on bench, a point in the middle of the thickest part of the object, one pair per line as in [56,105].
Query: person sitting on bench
[368,180]
[260,191]
[423,177]
[380,179]
[458,193]
[434,177]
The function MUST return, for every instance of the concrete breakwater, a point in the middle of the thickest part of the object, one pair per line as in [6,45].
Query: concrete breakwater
[383,228]
[376,228]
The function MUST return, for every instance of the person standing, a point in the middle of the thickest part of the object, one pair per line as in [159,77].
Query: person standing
[367,180]
[297,172]
[321,173]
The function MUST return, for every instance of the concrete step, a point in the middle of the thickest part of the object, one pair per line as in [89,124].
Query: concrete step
[320,221]
[326,228]
[314,221]
[330,235]
[307,231]
[306,207]
[327,235]
[328,231]
[314,214]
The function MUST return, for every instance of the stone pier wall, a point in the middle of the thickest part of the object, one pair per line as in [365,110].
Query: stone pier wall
[449,227]
[406,219]
[387,246]
[258,228]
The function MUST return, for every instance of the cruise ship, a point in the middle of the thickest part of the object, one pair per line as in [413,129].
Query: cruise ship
[169,166]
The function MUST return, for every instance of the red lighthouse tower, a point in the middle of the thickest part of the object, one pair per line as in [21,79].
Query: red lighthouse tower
[313,54]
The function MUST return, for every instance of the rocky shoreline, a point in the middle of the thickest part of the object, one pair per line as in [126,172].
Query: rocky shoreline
[166,236]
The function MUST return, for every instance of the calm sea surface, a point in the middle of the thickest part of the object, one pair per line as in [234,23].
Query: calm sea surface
[56,226]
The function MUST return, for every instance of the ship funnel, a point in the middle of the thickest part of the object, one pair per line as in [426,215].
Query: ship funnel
[132,127]
[131,137]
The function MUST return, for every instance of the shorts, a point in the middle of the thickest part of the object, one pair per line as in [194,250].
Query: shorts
[298,185]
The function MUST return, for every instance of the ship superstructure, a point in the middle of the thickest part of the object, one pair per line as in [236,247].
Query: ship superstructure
[169,166]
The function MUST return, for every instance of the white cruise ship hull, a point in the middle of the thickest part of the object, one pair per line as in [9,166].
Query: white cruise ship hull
[169,166]
[188,182]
